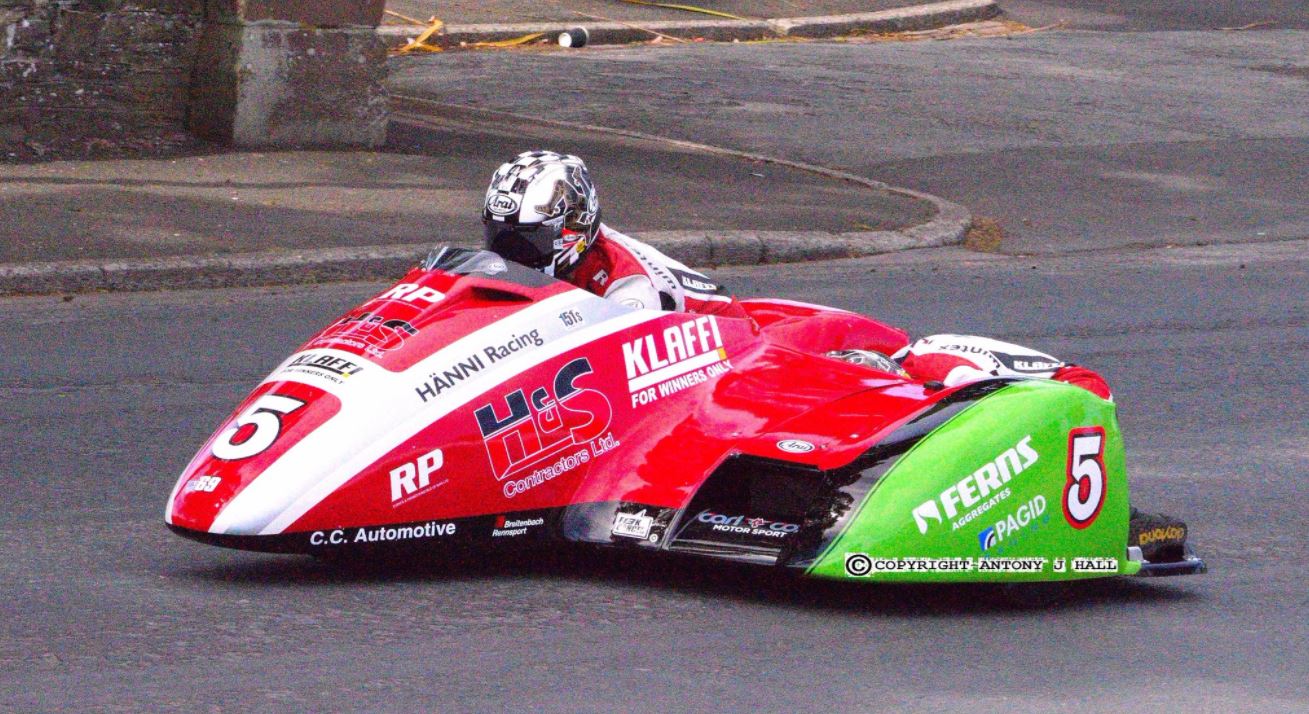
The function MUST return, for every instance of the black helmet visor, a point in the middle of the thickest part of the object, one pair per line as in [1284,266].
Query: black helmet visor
[531,245]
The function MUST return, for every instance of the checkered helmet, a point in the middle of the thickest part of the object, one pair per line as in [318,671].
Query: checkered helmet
[540,210]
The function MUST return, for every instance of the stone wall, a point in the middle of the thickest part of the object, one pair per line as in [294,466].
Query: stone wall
[78,75]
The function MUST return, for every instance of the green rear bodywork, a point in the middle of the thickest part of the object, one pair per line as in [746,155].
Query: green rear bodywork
[884,525]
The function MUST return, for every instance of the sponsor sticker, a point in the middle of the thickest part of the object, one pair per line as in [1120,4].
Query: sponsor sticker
[506,527]
[383,534]
[572,319]
[633,525]
[977,492]
[552,431]
[478,359]
[324,365]
[1030,516]
[414,478]
[694,282]
[745,525]
[673,359]
[795,446]
[383,323]
[502,204]
[1162,533]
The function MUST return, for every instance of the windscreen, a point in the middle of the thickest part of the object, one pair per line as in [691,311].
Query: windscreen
[467,261]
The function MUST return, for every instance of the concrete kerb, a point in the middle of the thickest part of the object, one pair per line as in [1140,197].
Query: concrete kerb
[917,17]
[278,267]
[210,271]
[739,247]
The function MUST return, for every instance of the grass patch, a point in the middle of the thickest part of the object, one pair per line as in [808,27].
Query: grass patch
[984,235]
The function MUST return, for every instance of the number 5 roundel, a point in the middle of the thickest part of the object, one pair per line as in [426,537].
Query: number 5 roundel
[1084,493]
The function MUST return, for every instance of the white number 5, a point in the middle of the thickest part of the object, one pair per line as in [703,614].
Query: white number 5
[266,417]
[1084,493]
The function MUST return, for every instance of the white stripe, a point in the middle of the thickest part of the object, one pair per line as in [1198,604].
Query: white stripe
[376,418]
[453,400]
[678,369]
[369,407]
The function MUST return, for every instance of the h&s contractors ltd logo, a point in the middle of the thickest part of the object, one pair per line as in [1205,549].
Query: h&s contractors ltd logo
[978,491]
[564,422]
[383,323]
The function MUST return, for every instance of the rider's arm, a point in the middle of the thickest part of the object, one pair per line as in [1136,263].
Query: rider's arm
[635,291]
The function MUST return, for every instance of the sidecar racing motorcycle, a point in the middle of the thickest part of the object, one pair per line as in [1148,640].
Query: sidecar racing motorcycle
[478,404]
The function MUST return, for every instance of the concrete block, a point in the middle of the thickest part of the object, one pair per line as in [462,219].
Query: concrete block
[282,86]
[316,13]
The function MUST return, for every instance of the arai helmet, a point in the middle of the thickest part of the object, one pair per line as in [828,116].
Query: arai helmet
[541,211]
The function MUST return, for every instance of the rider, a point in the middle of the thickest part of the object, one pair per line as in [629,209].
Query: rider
[541,211]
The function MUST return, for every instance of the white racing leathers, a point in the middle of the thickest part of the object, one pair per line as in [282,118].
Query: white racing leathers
[632,273]
[958,359]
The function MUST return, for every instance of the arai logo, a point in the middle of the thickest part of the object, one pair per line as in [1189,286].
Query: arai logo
[502,205]
[795,446]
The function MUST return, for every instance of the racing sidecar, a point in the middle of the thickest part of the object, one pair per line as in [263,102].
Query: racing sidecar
[478,404]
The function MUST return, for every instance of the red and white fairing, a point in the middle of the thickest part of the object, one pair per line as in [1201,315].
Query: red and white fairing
[471,392]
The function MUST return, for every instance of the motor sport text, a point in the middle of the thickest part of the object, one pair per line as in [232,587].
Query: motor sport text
[413,479]
[382,534]
[438,382]
[973,490]
[545,425]
[747,526]
[679,357]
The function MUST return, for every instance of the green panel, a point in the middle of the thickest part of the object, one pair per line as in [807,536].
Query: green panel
[987,488]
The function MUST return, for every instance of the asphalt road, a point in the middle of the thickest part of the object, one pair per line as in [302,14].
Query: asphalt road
[1073,140]
[1097,140]
[107,396]
[1134,15]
